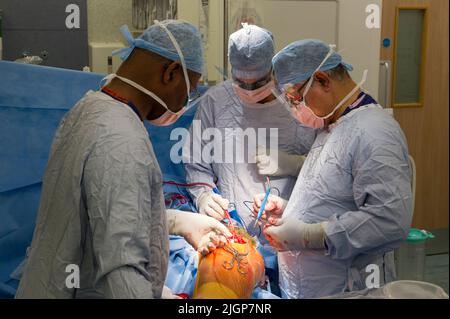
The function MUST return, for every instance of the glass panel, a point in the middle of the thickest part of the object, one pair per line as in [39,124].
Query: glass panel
[146,11]
[287,20]
[409,56]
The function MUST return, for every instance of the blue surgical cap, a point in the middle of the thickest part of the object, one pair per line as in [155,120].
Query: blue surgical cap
[297,62]
[250,51]
[156,40]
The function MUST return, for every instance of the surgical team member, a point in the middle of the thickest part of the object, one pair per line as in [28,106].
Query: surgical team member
[246,103]
[352,203]
[102,207]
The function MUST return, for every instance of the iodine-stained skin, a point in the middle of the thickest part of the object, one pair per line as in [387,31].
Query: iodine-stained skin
[232,271]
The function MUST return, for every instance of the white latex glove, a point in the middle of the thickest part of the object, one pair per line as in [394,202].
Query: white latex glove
[204,233]
[293,234]
[272,211]
[278,163]
[168,294]
[212,204]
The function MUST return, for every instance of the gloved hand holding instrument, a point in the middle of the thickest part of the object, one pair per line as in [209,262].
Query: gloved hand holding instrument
[287,233]
[273,209]
[212,204]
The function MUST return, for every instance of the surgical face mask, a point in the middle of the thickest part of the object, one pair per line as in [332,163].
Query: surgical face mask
[168,117]
[254,96]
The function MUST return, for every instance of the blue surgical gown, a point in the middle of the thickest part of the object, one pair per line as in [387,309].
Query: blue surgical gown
[101,209]
[357,177]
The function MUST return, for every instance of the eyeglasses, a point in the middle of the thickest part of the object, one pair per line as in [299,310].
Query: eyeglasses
[194,95]
[293,92]
[252,86]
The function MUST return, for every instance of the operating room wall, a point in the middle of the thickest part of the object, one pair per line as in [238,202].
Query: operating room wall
[341,22]
[336,21]
[46,28]
[358,44]
[34,26]
[189,10]
[105,17]
[103,31]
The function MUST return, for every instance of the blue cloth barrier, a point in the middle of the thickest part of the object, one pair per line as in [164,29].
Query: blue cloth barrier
[182,269]
[33,99]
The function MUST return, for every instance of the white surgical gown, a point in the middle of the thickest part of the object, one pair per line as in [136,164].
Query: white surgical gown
[357,177]
[101,210]
[238,180]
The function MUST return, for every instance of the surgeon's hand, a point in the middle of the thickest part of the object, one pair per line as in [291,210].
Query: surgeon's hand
[293,234]
[204,233]
[272,211]
[212,204]
[278,163]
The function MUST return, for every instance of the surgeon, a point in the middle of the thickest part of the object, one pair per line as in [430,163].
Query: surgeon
[246,104]
[102,215]
[352,203]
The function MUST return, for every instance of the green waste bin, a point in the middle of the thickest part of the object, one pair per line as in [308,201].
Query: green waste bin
[410,257]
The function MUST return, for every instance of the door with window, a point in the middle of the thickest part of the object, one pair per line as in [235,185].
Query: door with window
[414,82]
